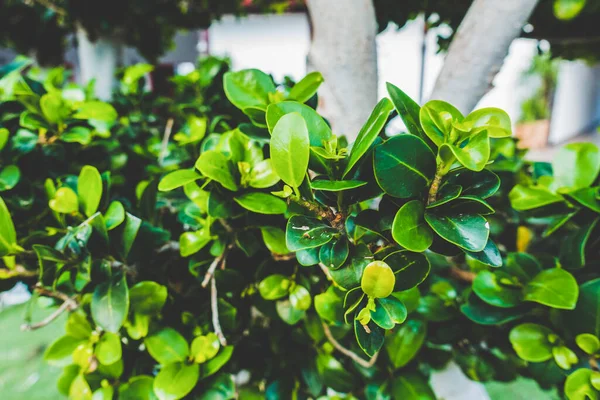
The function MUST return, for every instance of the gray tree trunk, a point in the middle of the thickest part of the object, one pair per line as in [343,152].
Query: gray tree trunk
[98,60]
[478,50]
[343,49]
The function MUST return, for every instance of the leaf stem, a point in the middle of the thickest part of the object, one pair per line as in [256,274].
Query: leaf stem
[435,185]
[349,353]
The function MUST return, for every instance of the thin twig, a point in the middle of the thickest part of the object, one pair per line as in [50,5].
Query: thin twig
[325,271]
[68,304]
[213,266]
[51,6]
[18,271]
[165,140]
[214,305]
[461,274]
[170,245]
[349,353]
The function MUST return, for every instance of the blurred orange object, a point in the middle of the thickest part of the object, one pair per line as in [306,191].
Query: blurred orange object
[533,135]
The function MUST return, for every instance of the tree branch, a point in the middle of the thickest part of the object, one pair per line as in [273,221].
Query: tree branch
[214,305]
[349,353]
[213,266]
[69,304]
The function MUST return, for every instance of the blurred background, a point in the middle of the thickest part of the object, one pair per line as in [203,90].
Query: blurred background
[549,83]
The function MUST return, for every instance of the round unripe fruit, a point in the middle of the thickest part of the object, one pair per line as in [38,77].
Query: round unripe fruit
[378,280]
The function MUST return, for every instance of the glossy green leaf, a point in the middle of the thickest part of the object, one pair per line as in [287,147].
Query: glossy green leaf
[578,385]
[585,318]
[490,255]
[529,197]
[115,215]
[371,342]
[290,149]
[108,349]
[368,133]
[484,314]
[215,165]
[192,242]
[329,305]
[407,109]
[64,201]
[318,130]
[288,313]
[263,175]
[531,342]
[409,228]
[304,233]
[147,297]
[248,88]
[306,87]
[576,165]
[473,152]
[110,304]
[214,365]
[274,239]
[410,269]
[8,235]
[60,351]
[204,347]
[336,186]
[167,346]
[412,386]
[97,110]
[139,387]
[554,288]
[388,312]
[588,343]
[9,177]
[495,288]
[494,120]
[261,203]
[403,344]
[89,189]
[404,166]
[129,233]
[300,298]
[436,118]
[481,184]
[80,389]
[274,287]
[469,232]
[176,380]
[334,254]
[573,248]
[177,179]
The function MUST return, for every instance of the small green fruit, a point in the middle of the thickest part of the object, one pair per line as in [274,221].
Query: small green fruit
[378,280]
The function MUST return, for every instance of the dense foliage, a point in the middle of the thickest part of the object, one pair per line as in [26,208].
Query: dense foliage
[209,251]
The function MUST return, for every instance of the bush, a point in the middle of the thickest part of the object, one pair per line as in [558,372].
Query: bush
[304,268]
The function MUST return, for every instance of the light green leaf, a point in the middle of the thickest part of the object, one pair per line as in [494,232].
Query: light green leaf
[167,346]
[176,380]
[216,166]
[108,349]
[531,342]
[263,175]
[177,179]
[368,133]
[473,153]
[290,149]
[306,88]
[436,118]
[274,239]
[408,110]
[110,304]
[115,215]
[248,88]
[54,108]
[568,9]
[204,347]
[576,165]
[300,298]
[336,186]
[588,343]
[524,198]
[494,120]
[403,344]
[9,177]
[97,110]
[318,130]
[554,288]
[80,389]
[409,228]
[412,386]
[89,189]
[8,235]
[274,287]
[490,288]
[378,280]
[147,297]
[64,201]
[578,385]
[193,242]
[261,203]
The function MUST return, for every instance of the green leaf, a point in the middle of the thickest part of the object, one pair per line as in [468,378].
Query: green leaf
[436,118]
[481,184]
[494,120]
[97,110]
[129,233]
[578,385]
[573,249]
[369,133]
[215,364]
[473,152]
[290,149]
[445,195]
[388,312]
[64,201]
[215,165]
[263,175]
[576,165]
[248,88]
[585,318]
[78,326]
[54,108]
[469,232]
[300,298]
[484,314]
[8,235]
[333,373]
[318,130]
[192,242]
[524,198]
[304,233]
[412,386]
[139,387]
[336,186]
[115,215]
[409,228]
[403,344]
[378,280]
[410,269]
[147,297]
[274,239]
[80,389]
[261,203]
[329,305]
[4,134]
[110,304]
[167,346]
[553,288]
[564,357]
[89,189]
[531,342]
[404,166]
[274,287]
[306,88]
[77,134]
[408,110]
[176,380]
[177,179]
[288,313]
[588,343]
[9,177]
[108,349]
[490,255]
[568,9]
[372,342]
[334,254]
[490,288]
[59,353]
[204,347]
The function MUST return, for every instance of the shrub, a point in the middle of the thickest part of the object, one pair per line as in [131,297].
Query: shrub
[268,259]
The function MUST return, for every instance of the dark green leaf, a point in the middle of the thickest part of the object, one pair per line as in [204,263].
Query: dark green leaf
[469,232]
[304,233]
[403,344]
[110,304]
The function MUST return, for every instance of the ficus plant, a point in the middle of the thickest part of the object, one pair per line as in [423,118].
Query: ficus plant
[252,253]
